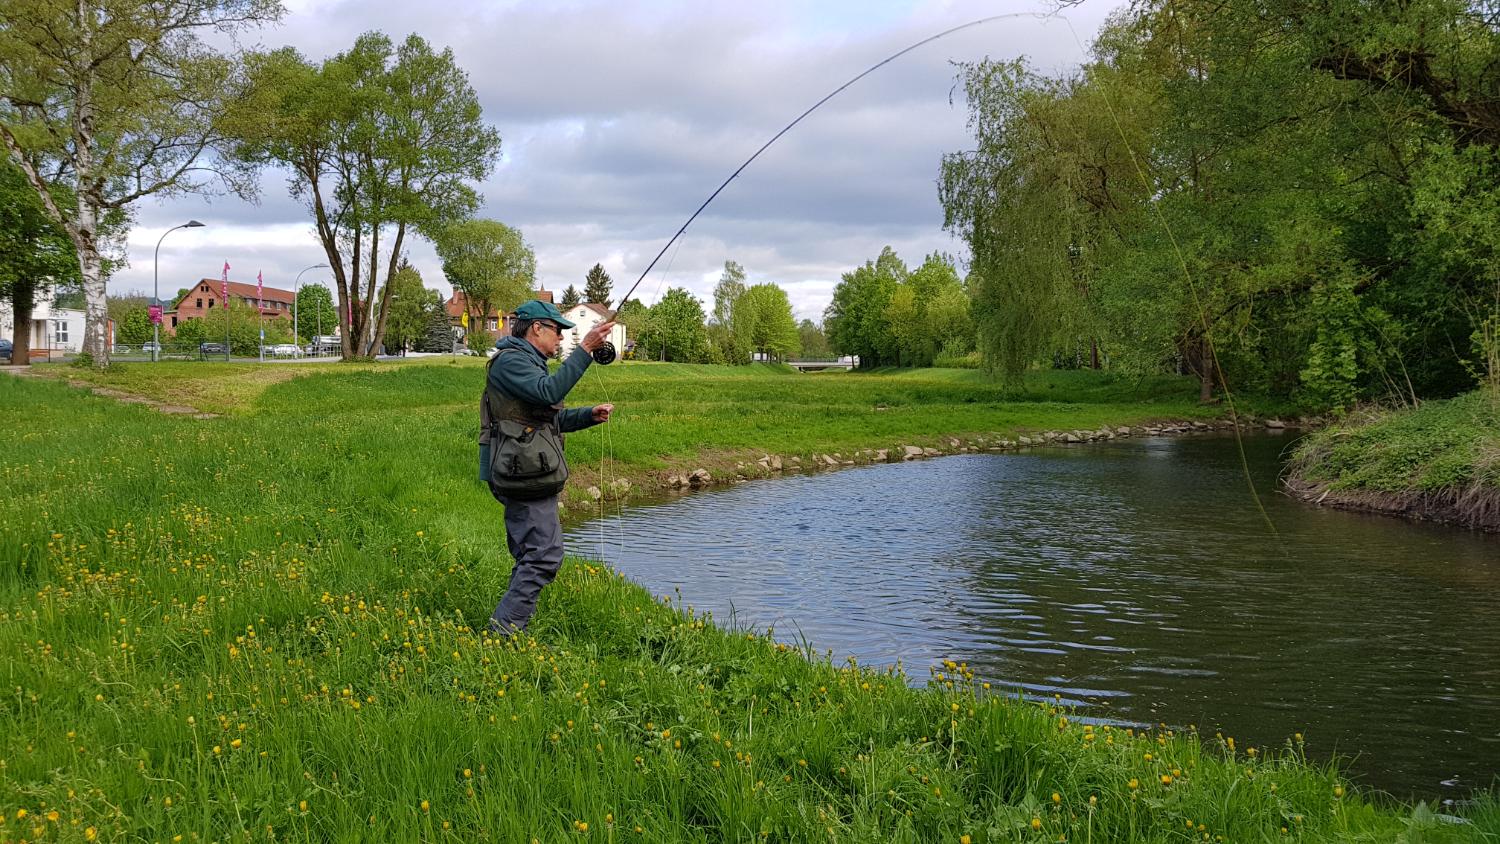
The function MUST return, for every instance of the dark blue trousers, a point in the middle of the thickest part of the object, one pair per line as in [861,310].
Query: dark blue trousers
[534,534]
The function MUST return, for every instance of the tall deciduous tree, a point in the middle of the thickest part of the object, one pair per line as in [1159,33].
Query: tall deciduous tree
[490,263]
[596,286]
[134,327]
[766,314]
[676,330]
[857,320]
[35,255]
[315,312]
[635,316]
[814,341]
[727,335]
[383,141]
[114,101]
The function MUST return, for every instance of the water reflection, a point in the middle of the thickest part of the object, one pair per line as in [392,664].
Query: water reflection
[1139,578]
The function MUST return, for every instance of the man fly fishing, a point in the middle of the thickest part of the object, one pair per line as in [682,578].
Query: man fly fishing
[522,422]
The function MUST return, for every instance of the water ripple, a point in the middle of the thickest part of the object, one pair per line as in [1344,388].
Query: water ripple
[1133,577]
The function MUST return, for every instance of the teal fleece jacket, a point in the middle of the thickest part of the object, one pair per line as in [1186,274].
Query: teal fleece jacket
[523,374]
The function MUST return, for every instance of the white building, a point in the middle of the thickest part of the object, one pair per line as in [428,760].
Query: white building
[584,317]
[54,331]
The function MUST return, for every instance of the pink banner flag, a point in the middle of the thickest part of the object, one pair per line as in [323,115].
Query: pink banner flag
[259,290]
[224,288]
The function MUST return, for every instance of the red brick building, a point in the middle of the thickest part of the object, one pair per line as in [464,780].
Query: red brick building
[494,322]
[207,295]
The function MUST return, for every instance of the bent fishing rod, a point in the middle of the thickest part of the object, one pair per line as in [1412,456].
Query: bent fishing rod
[607,353]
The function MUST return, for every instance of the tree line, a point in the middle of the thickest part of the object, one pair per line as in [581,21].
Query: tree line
[1298,199]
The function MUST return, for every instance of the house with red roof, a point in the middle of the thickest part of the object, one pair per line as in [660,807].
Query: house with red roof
[494,322]
[203,297]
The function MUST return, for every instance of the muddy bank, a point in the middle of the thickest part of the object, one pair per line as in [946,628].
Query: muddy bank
[1477,508]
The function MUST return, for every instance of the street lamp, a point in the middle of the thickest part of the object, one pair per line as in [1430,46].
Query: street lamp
[156,293]
[295,334]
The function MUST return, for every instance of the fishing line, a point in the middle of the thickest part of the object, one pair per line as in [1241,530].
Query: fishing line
[1187,275]
[607,353]
[609,440]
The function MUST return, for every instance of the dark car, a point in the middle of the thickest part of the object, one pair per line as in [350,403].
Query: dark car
[6,349]
[213,349]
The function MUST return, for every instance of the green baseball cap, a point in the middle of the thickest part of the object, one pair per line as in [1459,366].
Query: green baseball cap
[537,309]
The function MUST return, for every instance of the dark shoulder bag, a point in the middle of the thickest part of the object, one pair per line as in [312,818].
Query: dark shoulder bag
[525,446]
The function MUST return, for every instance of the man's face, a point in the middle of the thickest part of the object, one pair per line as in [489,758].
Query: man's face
[545,336]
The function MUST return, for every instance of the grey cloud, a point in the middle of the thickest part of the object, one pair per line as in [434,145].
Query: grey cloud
[618,119]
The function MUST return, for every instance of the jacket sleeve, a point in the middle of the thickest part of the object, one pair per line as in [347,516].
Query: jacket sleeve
[522,378]
[576,419]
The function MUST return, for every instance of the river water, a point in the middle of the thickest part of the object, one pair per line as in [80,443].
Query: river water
[1138,579]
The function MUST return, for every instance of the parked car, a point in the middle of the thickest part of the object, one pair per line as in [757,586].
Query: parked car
[150,346]
[212,349]
[284,350]
[325,345]
[6,350]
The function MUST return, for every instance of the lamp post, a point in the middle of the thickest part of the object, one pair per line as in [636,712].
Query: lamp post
[156,293]
[296,296]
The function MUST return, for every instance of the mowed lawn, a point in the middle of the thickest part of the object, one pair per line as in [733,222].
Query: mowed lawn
[261,626]
[667,411]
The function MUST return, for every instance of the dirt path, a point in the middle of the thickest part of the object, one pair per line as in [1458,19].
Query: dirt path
[118,395]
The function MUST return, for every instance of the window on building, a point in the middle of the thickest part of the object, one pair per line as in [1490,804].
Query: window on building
[200,301]
[174,322]
[59,331]
[210,303]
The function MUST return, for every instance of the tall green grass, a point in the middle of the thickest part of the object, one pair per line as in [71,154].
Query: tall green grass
[1442,445]
[262,626]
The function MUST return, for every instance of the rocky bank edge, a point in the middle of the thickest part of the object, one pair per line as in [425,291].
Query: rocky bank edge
[588,487]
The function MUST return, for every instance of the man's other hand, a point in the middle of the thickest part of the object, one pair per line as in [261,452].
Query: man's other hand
[602,412]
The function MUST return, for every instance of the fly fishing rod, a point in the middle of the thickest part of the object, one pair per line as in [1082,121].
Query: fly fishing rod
[607,353]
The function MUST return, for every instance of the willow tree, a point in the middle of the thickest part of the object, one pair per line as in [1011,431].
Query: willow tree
[383,141]
[110,102]
[1039,201]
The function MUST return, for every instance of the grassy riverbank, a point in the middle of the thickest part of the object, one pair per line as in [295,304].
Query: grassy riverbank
[1440,461]
[215,627]
[671,418]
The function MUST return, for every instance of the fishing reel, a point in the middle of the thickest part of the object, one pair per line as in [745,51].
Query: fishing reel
[605,353]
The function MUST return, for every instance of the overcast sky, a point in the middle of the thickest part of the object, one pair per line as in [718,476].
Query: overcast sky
[619,118]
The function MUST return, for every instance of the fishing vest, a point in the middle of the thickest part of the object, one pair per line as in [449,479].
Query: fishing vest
[525,444]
